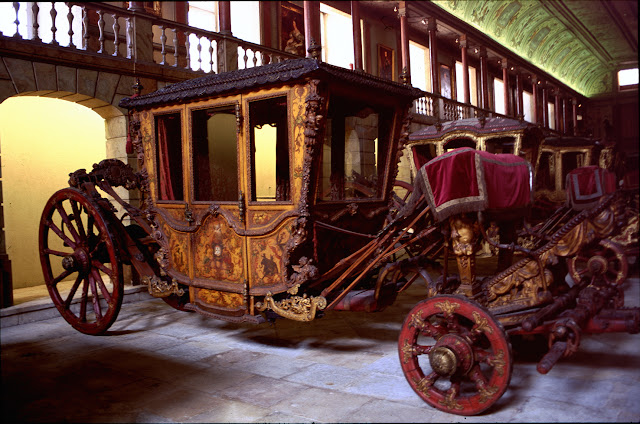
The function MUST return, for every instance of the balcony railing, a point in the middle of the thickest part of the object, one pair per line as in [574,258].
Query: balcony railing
[108,32]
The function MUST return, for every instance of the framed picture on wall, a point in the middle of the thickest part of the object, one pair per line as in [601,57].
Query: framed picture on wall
[292,29]
[445,81]
[386,62]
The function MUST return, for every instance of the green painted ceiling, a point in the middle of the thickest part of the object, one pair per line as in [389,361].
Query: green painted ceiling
[580,43]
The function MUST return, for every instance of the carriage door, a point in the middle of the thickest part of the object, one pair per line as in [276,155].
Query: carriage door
[268,191]
[217,245]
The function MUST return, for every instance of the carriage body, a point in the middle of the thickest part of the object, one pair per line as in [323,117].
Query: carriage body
[242,165]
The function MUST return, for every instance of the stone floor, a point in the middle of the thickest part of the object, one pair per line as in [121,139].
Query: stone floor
[157,364]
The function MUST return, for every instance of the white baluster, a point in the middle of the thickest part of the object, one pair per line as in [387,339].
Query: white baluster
[34,11]
[16,7]
[211,56]
[85,28]
[175,46]
[101,30]
[163,45]
[199,48]
[188,46]
[70,20]
[129,38]
[53,14]
[116,32]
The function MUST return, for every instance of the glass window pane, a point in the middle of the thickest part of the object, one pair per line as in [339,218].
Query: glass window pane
[354,151]
[169,157]
[270,150]
[215,154]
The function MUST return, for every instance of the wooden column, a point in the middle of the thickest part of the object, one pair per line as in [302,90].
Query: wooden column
[405,74]
[465,68]
[565,115]
[536,99]
[519,94]
[484,75]
[574,115]
[136,6]
[312,28]
[224,8]
[545,106]
[433,55]
[558,107]
[505,82]
[357,36]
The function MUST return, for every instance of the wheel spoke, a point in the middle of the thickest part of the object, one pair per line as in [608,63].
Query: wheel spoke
[83,300]
[55,252]
[60,234]
[78,218]
[72,292]
[102,267]
[95,298]
[103,288]
[54,282]
[67,222]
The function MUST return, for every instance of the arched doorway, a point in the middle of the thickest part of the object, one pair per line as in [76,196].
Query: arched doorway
[42,140]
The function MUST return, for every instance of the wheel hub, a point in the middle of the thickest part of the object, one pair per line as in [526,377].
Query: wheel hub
[597,265]
[77,261]
[451,355]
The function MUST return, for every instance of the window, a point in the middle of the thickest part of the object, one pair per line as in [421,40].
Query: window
[419,62]
[500,145]
[473,94]
[215,154]
[245,20]
[628,79]
[527,106]
[336,32]
[269,150]
[169,156]
[354,150]
[498,96]
[551,111]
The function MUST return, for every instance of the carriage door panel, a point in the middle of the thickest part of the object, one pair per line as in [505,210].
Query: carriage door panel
[270,187]
[164,160]
[218,248]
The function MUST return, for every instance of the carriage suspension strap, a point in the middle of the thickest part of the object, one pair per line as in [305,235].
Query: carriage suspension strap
[342,230]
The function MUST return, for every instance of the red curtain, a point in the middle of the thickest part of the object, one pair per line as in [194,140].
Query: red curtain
[165,189]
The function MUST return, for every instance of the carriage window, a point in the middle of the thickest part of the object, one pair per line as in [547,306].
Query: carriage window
[270,150]
[545,174]
[571,161]
[354,151]
[500,145]
[459,142]
[423,153]
[169,156]
[215,154]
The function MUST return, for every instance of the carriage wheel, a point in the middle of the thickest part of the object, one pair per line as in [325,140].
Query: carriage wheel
[455,355]
[608,261]
[77,247]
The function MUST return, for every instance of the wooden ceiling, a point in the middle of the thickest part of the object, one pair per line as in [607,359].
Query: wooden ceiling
[581,43]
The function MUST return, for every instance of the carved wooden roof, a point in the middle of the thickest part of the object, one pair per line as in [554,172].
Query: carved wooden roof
[267,75]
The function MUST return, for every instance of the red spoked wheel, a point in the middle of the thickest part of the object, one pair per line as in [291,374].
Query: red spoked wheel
[455,355]
[607,261]
[76,248]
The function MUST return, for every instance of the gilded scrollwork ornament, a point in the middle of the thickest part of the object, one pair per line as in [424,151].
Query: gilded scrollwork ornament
[295,308]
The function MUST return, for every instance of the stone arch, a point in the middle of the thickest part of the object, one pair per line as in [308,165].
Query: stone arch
[115,133]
